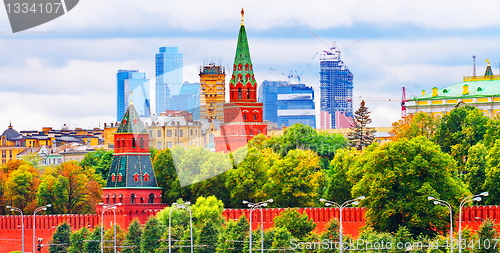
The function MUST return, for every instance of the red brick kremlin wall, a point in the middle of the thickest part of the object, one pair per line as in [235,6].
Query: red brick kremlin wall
[10,225]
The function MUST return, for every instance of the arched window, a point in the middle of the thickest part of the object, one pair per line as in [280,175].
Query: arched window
[113,177]
[120,177]
[114,198]
[239,93]
[136,177]
[255,116]
[151,198]
[121,198]
[107,199]
[244,116]
[142,143]
[146,177]
[134,145]
[132,199]
[142,200]
[248,93]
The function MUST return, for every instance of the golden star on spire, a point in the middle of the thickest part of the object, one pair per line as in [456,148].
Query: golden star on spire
[242,16]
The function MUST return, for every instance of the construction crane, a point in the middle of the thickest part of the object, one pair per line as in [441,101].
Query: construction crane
[334,46]
[293,73]
[403,102]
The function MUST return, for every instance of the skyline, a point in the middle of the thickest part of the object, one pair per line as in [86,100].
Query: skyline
[64,71]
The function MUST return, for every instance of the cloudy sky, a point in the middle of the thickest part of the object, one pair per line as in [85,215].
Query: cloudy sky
[64,71]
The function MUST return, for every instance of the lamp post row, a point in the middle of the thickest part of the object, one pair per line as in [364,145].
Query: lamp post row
[476,197]
[254,206]
[15,209]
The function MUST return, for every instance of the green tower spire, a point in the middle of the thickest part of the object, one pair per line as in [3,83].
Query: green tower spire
[243,68]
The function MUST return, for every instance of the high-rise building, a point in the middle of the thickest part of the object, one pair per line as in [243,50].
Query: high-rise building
[243,114]
[287,104]
[132,86]
[188,99]
[213,92]
[336,90]
[168,76]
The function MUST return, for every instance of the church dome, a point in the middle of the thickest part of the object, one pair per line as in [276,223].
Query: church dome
[11,134]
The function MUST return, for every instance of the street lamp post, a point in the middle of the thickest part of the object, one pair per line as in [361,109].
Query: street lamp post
[15,209]
[476,197]
[341,208]
[41,208]
[254,206]
[104,209]
[444,203]
[179,206]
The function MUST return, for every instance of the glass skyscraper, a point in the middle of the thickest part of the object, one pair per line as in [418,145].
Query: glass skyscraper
[336,84]
[132,86]
[168,77]
[287,104]
[188,99]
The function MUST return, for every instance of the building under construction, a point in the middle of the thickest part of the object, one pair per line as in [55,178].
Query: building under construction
[336,91]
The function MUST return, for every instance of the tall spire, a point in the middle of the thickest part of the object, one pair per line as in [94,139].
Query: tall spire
[243,68]
[488,71]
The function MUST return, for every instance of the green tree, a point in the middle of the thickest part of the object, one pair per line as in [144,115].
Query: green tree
[338,187]
[474,172]
[109,238]
[20,187]
[132,241]
[246,180]
[211,178]
[361,135]
[492,175]
[460,129]
[150,237]
[487,237]
[60,239]
[70,188]
[208,237]
[295,180]
[99,160]
[397,177]
[166,176]
[414,125]
[299,225]
[77,240]
[492,132]
[232,236]
[93,242]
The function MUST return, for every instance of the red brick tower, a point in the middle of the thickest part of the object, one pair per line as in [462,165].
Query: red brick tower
[131,184]
[243,114]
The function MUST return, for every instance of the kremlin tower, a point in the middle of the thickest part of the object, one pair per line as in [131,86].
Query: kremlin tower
[131,184]
[243,114]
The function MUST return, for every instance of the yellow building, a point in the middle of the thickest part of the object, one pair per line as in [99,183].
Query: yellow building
[11,144]
[482,92]
[212,92]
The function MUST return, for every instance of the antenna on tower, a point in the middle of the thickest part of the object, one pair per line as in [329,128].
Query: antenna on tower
[474,69]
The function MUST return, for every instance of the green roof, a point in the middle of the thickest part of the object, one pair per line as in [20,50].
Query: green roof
[131,122]
[484,88]
[243,57]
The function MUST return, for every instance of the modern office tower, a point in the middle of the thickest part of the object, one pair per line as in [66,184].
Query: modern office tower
[188,99]
[243,114]
[287,104]
[168,77]
[132,86]
[336,91]
[213,92]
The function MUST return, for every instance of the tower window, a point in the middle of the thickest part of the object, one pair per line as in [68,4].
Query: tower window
[142,143]
[255,116]
[146,177]
[244,116]
[120,177]
[248,93]
[151,198]
[136,177]
[113,177]
[239,93]
[132,199]
[134,145]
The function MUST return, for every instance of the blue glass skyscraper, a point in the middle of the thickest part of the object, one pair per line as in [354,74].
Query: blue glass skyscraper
[336,84]
[287,104]
[188,99]
[132,86]
[168,77]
